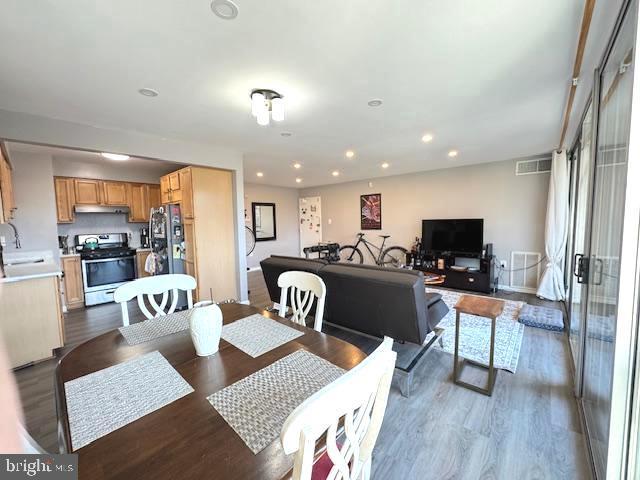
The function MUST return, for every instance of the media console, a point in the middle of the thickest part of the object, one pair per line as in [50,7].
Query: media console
[481,280]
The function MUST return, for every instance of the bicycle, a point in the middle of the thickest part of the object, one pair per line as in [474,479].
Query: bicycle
[394,256]
[250,240]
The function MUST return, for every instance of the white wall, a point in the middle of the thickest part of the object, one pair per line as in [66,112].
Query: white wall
[24,127]
[513,208]
[35,217]
[123,171]
[287,240]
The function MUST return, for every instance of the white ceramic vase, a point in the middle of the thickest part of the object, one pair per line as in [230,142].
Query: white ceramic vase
[206,328]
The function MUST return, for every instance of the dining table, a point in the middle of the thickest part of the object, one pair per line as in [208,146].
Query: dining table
[188,438]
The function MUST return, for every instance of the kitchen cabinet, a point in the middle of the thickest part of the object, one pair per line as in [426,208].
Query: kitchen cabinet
[141,258]
[65,199]
[73,289]
[138,194]
[165,189]
[115,193]
[154,197]
[206,201]
[7,204]
[88,192]
[171,188]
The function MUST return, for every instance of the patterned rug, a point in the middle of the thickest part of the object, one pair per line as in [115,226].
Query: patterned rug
[475,335]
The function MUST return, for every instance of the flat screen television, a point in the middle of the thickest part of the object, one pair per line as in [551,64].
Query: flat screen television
[455,235]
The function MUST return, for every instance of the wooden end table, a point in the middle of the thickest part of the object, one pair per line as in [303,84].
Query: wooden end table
[481,307]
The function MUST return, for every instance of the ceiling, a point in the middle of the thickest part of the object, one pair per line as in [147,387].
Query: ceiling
[488,79]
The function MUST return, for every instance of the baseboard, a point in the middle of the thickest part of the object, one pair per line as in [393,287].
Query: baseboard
[509,288]
[254,269]
[244,302]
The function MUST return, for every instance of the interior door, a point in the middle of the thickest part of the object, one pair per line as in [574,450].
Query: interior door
[609,184]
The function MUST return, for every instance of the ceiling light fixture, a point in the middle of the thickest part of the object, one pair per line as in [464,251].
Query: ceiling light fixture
[225,9]
[385,165]
[335,173]
[349,154]
[427,137]
[148,92]
[267,103]
[298,180]
[286,134]
[452,153]
[376,102]
[297,165]
[260,174]
[115,156]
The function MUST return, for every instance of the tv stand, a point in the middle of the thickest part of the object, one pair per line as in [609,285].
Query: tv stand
[481,280]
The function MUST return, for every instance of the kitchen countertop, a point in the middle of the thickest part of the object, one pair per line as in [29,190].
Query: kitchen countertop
[27,271]
[66,255]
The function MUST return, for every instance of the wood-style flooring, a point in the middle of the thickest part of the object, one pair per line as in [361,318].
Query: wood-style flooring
[528,429]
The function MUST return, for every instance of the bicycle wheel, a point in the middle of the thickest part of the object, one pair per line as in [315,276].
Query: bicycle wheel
[350,254]
[250,240]
[394,257]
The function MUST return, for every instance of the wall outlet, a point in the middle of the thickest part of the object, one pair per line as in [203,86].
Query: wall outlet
[503,264]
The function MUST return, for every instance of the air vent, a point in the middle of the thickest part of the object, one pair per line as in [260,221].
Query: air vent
[525,270]
[532,167]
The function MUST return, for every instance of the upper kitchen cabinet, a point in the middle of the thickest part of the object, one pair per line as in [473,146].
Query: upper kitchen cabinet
[65,199]
[138,202]
[115,193]
[7,206]
[154,196]
[171,188]
[186,193]
[88,192]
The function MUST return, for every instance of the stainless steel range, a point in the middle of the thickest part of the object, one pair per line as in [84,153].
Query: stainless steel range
[107,263]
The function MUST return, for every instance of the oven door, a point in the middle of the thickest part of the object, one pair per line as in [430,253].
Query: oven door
[107,273]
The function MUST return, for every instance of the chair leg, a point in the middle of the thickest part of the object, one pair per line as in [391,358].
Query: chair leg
[365,472]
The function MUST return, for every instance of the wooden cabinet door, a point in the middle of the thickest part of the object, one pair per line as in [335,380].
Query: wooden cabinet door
[115,193]
[138,202]
[141,258]
[88,192]
[73,291]
[165,189]
[176,187]
[6,189]
[186,192]
[189,240]
[64,199]
[154,197]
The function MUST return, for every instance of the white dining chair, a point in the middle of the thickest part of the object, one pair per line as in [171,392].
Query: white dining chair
[149,287]
[29,445]
[302,288]
[359,398]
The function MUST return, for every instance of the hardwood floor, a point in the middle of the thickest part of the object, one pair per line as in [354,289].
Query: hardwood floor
[528,429]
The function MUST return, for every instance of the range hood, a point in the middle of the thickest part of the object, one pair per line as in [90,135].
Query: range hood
[100,209]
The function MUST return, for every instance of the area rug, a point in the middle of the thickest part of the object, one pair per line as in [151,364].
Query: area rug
[475,333]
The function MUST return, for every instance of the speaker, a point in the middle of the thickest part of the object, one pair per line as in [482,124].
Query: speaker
[488,250]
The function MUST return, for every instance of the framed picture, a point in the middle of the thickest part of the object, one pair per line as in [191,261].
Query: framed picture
[371,211]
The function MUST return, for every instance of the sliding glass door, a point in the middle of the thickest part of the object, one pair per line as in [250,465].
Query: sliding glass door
[605,243]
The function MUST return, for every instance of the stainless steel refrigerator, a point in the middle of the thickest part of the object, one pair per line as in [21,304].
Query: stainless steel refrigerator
[166,234]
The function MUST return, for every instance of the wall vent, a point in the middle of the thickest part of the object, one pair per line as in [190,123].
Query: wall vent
[532,167]
[524,271]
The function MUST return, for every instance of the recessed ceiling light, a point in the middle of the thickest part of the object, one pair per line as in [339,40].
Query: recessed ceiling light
[115,156]
[376,102]
[286,134]
[427,137]
[148,92]
[297,165]
[385,165]
[225,9]
[335,173]
[298,180]
[453,153]
[260,174]
[349,154]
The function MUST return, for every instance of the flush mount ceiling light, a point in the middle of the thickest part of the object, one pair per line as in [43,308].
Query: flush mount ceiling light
[385,165]
[452,153]
[225,9]
[297,165]
[148,92]
[286,134]
[376,102]
[115,156]
[267,103]
[349,154]
[335,173]
[298,180]
[427,137]
[260,174]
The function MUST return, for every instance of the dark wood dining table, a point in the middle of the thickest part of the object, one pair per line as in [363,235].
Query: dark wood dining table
[187,439]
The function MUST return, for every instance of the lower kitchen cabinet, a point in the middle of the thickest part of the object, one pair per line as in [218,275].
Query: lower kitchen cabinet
[73,290]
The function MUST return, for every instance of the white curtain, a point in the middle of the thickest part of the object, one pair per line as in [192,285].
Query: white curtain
[552,283]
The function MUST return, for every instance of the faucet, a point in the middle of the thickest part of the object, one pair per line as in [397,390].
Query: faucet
[15,234]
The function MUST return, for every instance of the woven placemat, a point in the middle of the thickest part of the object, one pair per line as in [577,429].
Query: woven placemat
[257,334]
[156,327]
[103,401]
[257,406]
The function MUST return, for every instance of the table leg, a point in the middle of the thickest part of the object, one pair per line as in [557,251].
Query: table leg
[455,354]
[492,373]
